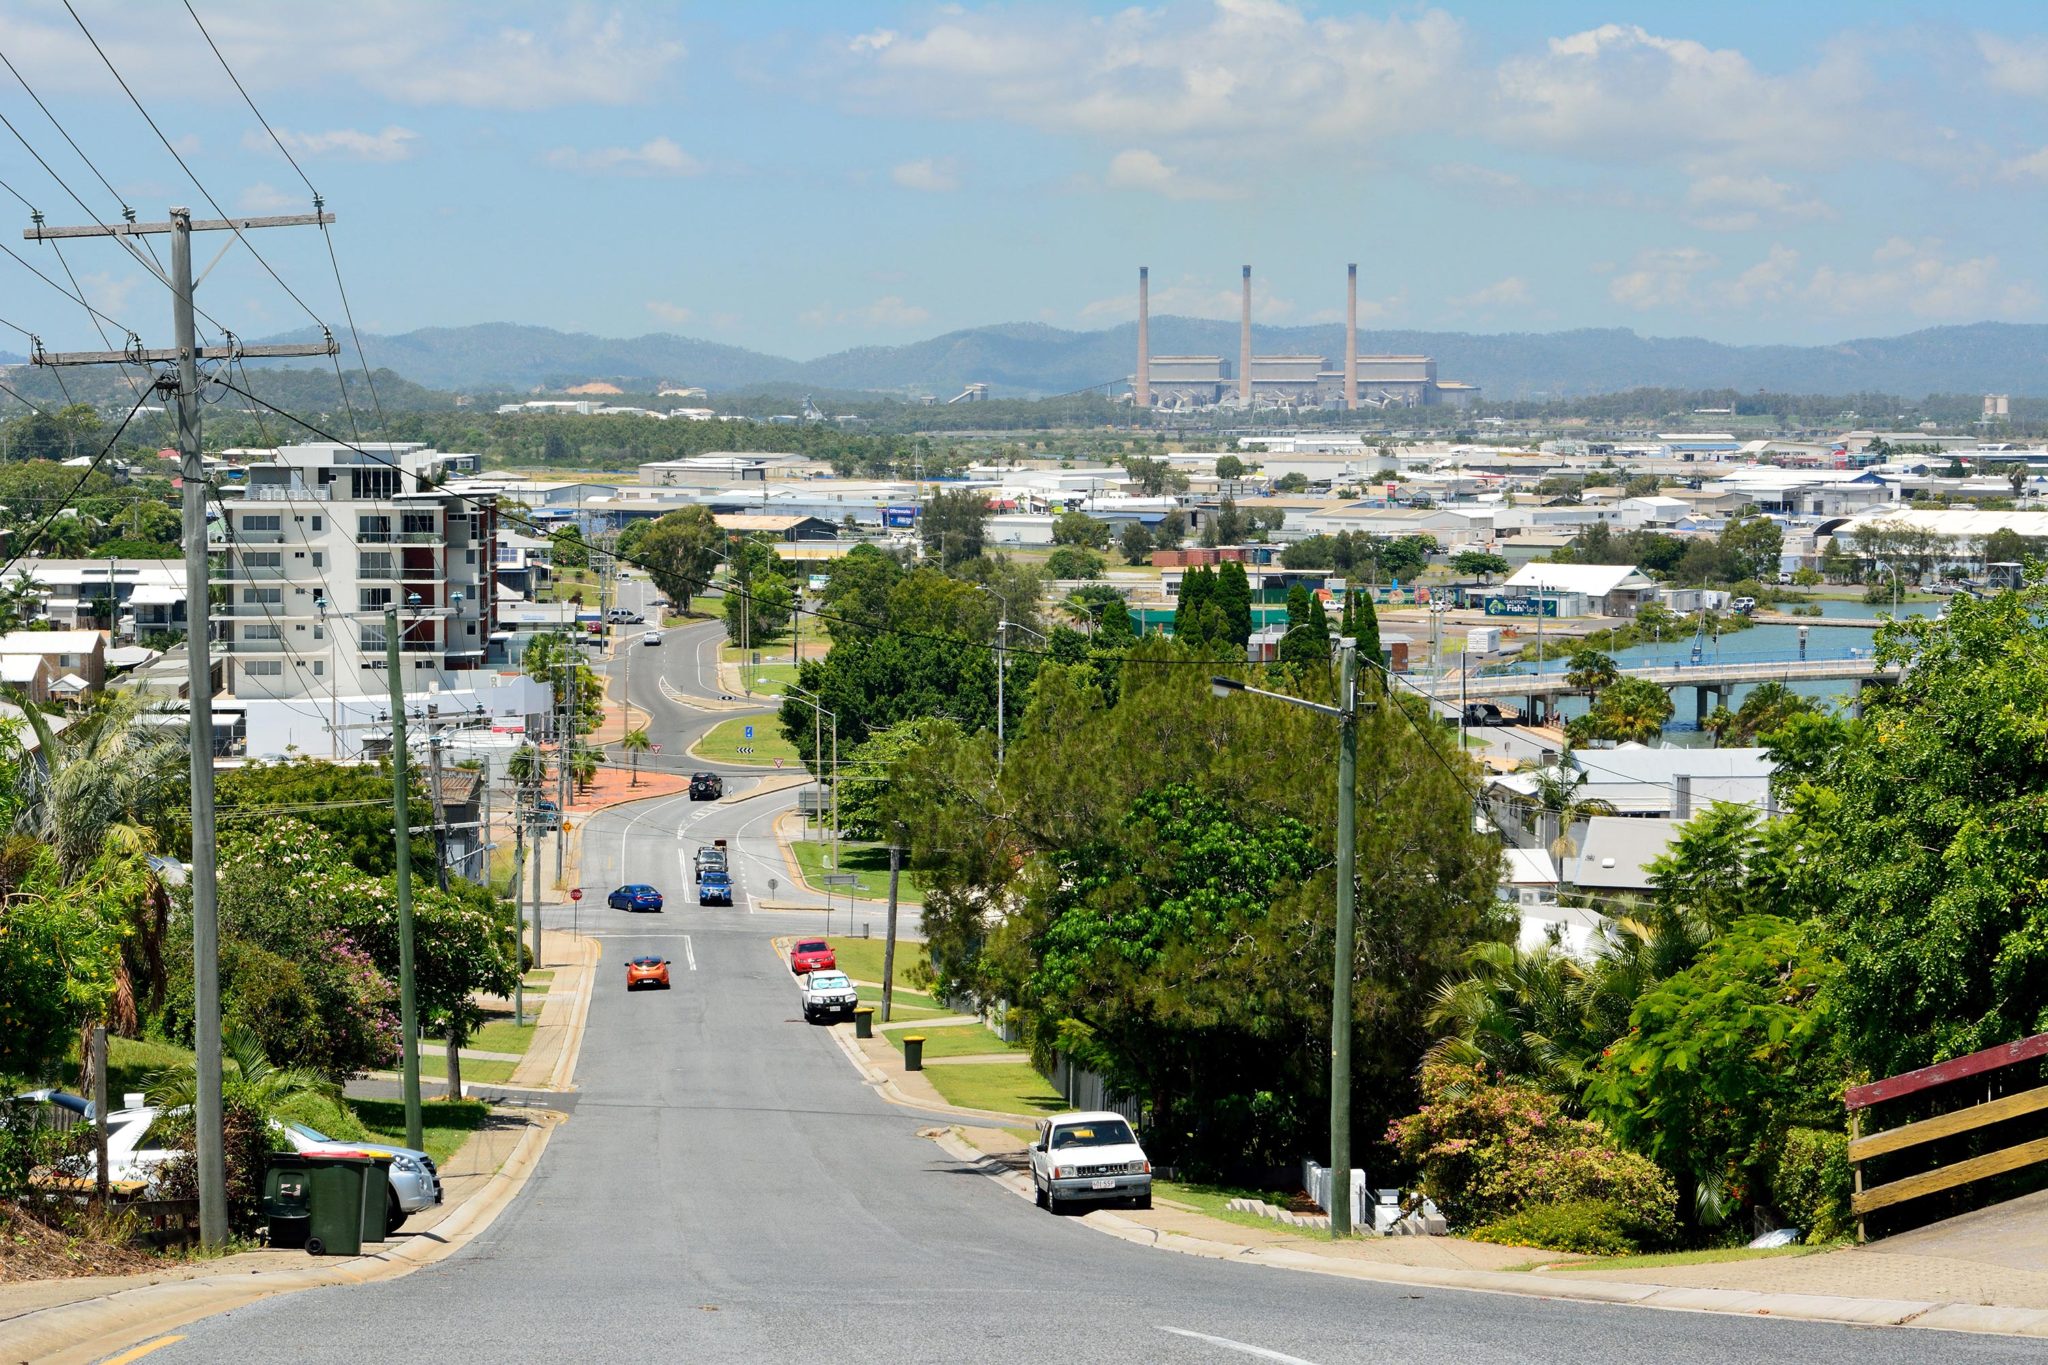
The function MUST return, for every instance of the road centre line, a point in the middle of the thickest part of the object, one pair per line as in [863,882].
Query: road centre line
[1227,1344]
[690,952]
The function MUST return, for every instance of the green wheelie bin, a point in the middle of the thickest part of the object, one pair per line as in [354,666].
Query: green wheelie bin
[340,1187]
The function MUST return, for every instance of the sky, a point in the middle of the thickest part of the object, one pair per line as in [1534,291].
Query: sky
[801,178]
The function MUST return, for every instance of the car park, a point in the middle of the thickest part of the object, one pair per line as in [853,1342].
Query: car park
[828,996]
[1088,1158]
[706,786]
[647,971]
[812,955]
[652,637]
[635,896]
[714,888]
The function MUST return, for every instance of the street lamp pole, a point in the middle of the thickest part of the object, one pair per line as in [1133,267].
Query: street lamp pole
[1002,663]
[1344,966]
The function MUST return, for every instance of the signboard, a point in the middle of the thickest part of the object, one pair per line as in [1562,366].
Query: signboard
[899,516]
[508,725]
[1521,606]
[750,732]
[819,582]
[575,893]
[840,879]
[778,762]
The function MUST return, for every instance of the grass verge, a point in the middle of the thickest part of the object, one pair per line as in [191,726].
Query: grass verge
[861,959]
[445,1124]
[434,1063]
[500,1035]
[1210,1201]
[1655,1260]
[869,862]
[727,738]
[958,1040]
[1013,1088]
[903,1006]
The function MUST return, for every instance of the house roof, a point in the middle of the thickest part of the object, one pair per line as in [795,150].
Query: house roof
[1618,850]
[70,682]
[21,668]
[1594,580]
[1637,764]
[459,786]
[1530,867]
[51,641]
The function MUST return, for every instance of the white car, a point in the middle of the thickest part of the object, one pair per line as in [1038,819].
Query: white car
[652,637]
[1088,1158]
[828,995]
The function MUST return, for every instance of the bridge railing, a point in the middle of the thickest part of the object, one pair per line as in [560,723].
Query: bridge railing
[1682,659]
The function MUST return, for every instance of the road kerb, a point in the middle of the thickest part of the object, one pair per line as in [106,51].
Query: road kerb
[92,1329]
[564,1073]
[1859,1312]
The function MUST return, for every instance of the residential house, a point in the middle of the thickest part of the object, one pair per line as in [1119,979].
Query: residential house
[79,653]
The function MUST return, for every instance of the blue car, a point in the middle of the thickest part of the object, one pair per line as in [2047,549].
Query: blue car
[638,896]
[714,888]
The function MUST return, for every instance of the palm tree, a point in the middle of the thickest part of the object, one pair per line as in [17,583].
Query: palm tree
[1589,670]
[527,766]
[1516,1011]
[636,743]
[246,1073]
[1556,793]
[583,766]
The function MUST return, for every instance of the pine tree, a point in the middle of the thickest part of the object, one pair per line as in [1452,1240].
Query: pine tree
[1297,605]
[1233,593]
[1197,589]
[1365,628]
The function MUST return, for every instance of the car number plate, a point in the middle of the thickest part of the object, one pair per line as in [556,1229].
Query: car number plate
[1102,1184]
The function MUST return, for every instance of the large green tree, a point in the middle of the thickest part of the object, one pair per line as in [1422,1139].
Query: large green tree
[680,552]
[953,524]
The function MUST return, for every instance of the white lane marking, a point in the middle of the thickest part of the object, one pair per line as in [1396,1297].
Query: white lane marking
[1227,1344]
[690,952]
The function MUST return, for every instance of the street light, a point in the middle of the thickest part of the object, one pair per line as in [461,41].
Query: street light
[1346,715]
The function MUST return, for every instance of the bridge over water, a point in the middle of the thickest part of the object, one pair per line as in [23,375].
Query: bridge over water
[1707,679]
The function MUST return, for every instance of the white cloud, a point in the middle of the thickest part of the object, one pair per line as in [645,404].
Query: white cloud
[1138,169]
[2017,66]
[1918,277]
[1623,93]
[264,197]
[927,174]
[673,314]
[888,311]
[1740,203]
[420,54]
[1765,282]
[393,143]
[1511,292]
[656,157]
[1660,278]
[1189,296]
[1235,71]
[109,293]
[2031,166]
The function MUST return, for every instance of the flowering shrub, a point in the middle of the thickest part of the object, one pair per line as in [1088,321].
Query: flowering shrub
[1487,1149]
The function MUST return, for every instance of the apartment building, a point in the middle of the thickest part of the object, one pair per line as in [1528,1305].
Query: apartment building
[325,537]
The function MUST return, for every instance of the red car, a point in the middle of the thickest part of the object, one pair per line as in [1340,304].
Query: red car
[812,955]
[647,971]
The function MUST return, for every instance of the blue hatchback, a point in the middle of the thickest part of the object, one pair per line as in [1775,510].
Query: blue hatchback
[714,888]
[639,896]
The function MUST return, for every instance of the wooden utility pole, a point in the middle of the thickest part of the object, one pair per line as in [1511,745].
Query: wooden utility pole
[401,831]
[184,384]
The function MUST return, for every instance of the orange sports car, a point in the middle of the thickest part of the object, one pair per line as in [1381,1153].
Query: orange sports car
[647,971]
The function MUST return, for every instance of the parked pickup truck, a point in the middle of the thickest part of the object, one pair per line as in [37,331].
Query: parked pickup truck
[828,995]
[1088,1158]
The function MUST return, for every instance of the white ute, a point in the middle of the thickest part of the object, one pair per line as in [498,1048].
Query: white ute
[1087,1158]
[828,994]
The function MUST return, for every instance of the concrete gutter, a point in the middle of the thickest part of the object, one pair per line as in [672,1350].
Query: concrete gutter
[1574,1286]
[89,1330]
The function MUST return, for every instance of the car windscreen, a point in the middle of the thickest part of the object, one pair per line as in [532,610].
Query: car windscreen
[828,981]
[311,1134]
[1102,1133]
[814,946]
[647,962]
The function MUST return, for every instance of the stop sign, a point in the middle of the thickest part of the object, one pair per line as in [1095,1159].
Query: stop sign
[575,893]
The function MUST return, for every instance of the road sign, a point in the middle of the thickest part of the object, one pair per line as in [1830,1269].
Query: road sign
[750,732]
[840,879]
[744,749]
[654,748]
[778,762]
[575,893]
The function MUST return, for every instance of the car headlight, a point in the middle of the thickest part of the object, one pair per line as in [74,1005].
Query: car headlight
[408,1164]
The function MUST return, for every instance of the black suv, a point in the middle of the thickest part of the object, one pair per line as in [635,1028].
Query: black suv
[706,786]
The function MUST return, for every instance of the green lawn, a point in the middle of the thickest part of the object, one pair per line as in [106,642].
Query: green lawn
[434,1063]
[1013,1088]
[869,862]
[1211,1199]
[445,1124]
[769,680]
[861,959]
[130,1062]
[957,1040]
[1709,1256]
[905,1005]
[726,739]
[499,1035]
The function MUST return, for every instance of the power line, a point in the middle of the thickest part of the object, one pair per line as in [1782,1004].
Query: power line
[241,237]
[251,103]
[91,469]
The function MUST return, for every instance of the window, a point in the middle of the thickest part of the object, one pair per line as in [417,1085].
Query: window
[262,596]
[319,525]
[262,523]
[421,523]
[262,668]
[260,632]
[319,667]
[375,564]
[373,599]
[319,560]
[373,530]
[319,632]
[262,559]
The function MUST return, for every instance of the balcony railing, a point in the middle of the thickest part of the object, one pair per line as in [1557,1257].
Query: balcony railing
[289,493]
[400,538]
[237,570]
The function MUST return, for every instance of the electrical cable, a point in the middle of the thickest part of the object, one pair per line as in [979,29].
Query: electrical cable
[246,100]
[240,236]
[36,535]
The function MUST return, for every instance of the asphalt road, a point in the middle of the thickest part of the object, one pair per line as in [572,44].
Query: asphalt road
[728,1189]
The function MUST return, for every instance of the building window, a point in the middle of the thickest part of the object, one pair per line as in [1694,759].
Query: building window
[374,564]
[373,530]
[373,599]
[263,668]
[262,523]
[319,667]
[319,560]
[262,596]
[262,559]
[421,523]
[319,525]
[260,632]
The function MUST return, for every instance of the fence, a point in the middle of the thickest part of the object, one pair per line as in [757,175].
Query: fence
[1315,1180]
[1084,1089]
[1949,1175]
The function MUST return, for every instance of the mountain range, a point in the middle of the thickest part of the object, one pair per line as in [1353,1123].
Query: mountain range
[1032,359]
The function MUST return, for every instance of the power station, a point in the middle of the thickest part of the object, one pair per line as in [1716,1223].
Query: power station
[1180,382]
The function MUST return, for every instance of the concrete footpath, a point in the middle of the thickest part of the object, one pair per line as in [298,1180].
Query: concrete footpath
[1983,1272]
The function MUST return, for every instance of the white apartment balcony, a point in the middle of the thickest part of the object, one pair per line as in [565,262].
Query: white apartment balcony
[401,538]
[297,492]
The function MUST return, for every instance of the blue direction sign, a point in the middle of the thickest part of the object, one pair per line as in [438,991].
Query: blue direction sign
[750,732]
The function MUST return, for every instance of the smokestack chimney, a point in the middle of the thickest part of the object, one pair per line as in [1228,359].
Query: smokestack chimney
[1142,389]
[1244,345]
[1351,339]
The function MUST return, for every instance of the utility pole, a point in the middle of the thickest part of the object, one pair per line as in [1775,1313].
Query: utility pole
[434,792]
[536,891]
[186,355]
[521,819]
[565,703]
[1347,943]
[401,829]
[889,943]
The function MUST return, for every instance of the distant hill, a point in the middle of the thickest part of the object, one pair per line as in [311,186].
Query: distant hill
[1030,359]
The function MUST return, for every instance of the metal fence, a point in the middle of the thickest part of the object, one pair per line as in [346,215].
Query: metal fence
[1084,1089]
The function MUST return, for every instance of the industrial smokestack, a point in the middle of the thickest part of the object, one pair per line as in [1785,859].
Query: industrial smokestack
[1244,345]
[1142,390]
[1351,339]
